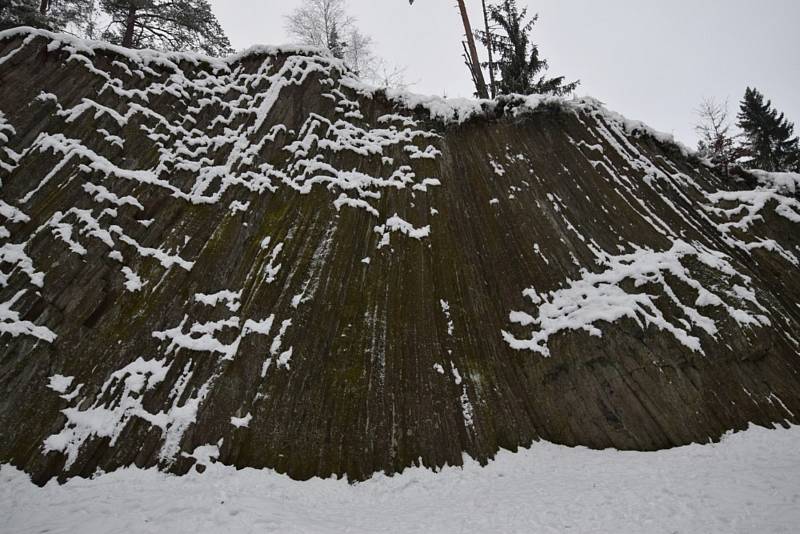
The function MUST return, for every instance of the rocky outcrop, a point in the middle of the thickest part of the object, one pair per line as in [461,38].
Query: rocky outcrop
[258,260]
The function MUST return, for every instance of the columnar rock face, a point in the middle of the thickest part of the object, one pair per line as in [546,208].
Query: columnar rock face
[260,261]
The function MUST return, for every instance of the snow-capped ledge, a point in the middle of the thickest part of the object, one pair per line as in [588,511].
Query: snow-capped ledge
[782,182]
[454,111]
[156,57]
[446,110]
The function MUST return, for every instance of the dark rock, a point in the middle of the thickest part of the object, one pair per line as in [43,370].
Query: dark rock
[146,181]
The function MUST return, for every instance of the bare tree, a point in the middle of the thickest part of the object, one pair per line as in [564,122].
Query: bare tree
[388,75]
[314,22]
[716,142]
[327,24]
[358,53]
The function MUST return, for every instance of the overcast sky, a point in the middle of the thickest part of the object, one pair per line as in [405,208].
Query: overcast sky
[651,60]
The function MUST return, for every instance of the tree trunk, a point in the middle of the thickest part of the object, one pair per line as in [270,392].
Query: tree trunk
[480,83]
[44,5]
[492,85]
[130,26]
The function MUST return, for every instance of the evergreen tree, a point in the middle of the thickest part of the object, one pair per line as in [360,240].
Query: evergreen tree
[768,135]
[73,16]
[15,13]
[55,15]
[519,64]
[335,43]
[175,25]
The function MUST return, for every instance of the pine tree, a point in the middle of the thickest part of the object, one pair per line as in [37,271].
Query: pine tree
[520,66]
[175,25]
[768,135]
[335,43]
[73,16]
[15,13]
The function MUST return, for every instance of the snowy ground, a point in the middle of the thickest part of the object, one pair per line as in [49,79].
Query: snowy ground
[748,483]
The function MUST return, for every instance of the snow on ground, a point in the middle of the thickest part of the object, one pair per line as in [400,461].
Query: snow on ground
[784,182]
[750,482]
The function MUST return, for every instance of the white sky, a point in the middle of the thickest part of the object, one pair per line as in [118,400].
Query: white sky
[651,60]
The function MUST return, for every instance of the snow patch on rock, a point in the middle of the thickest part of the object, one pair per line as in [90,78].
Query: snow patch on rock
[605,297]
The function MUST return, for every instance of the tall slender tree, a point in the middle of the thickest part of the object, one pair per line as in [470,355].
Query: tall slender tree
[520,66]
[178,25]
[489,51]
[471,52]
[769,137]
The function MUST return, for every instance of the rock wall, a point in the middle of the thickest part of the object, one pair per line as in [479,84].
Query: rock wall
[262,262]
